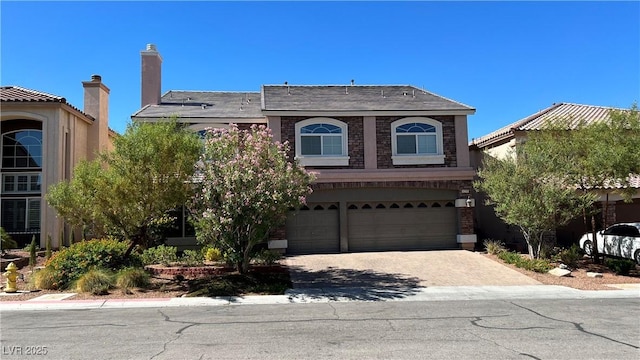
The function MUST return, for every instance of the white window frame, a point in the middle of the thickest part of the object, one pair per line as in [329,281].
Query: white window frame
[417,159]
[322,160]
[15,182]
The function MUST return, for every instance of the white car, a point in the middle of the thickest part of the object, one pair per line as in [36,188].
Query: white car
[620,240]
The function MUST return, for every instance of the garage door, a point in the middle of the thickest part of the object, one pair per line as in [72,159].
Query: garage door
[314,229]
[402,226]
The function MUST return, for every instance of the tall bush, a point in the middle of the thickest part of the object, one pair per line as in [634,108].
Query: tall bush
[246,185]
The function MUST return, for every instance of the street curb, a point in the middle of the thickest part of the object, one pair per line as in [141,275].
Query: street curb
[344,294]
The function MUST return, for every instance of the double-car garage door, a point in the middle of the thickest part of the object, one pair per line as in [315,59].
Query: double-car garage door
[373,226]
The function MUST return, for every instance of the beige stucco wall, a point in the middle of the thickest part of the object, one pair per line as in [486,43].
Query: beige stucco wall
[57,120]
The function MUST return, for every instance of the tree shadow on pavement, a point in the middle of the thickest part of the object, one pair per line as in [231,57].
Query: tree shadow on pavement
[351,284]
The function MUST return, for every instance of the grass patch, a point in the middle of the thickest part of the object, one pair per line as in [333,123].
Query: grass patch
[234,284]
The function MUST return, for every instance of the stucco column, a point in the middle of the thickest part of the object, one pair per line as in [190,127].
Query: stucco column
[462,141]
[275,124]
[370,144]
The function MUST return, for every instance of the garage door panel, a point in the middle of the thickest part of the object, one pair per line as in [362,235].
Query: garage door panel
[402,228]
[313,231]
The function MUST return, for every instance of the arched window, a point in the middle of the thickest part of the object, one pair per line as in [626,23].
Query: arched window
[321,142]
[22,149]
[416,140]
[21,181]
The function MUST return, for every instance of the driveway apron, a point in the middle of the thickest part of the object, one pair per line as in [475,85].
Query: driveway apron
[408,270]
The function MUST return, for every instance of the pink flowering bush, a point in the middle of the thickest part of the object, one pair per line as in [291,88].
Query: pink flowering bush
[245,186]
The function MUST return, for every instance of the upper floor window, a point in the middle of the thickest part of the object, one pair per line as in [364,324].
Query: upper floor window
[416,140]
[22,149]
[321,142]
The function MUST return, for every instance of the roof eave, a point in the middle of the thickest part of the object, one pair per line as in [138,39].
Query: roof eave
[367,112]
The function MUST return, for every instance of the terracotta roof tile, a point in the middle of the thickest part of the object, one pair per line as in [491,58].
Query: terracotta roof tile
[20,94]
[567,111]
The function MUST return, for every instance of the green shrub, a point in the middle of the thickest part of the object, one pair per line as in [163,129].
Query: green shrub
[494,247]
[212,254]
[33,258]
[192,258]
[70,263]
[47,252]
[96,281]
[537,265]
[7,241]
[132,278]
[267,257]
[570,256]
[43,279]
[620,266]
[160,254]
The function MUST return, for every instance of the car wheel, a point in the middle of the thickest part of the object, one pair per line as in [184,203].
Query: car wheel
[588,247]
[636,257]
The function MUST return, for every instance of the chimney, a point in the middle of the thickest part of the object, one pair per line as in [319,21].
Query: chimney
[96,105]
[151,76]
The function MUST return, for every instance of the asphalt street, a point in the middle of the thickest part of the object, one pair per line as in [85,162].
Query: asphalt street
[465,329]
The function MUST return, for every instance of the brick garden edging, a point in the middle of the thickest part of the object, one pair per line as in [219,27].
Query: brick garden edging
[194,272]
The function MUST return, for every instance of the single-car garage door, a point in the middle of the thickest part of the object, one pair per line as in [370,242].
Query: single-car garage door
[314,229]
[417,225]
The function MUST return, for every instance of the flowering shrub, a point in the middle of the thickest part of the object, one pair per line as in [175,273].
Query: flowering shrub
[246,187]
[68,264]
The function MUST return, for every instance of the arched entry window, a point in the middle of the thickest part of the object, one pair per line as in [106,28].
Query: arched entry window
[22,149]
[21,190]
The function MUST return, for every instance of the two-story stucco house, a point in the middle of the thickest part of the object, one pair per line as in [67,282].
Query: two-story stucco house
[392,161]
[43,138]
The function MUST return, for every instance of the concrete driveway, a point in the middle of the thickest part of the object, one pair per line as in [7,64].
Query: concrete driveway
[404,271]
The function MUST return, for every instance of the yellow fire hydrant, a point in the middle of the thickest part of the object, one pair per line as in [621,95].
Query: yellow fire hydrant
[12,276]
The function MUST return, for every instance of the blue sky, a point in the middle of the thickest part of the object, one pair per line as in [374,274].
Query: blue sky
[506,59]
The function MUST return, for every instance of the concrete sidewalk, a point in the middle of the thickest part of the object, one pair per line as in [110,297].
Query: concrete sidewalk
[319,295]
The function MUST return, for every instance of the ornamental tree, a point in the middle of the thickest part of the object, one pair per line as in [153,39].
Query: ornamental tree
[595,157]
[244,188]
[128,192]
[523,197]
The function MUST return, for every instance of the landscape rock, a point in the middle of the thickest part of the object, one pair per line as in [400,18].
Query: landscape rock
[594,274]
[559,272]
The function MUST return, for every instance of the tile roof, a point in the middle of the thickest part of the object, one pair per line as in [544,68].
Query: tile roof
[17,94]
[575,113]
[204,104]
[355,98]
[20,94]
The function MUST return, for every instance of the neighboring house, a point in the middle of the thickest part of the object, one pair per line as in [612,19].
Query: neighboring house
[392,162]
[502,142]
[43,138]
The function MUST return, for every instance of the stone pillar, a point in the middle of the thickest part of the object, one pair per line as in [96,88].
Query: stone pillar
[465,205]
[278,239]
[609,212]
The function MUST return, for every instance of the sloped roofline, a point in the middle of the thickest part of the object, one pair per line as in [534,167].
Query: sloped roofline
[364,85]
[48,98]
[508,132]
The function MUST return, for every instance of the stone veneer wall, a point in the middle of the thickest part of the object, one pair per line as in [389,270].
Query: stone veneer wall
[355,140]
[466,221]
[433,184]
[383,139]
